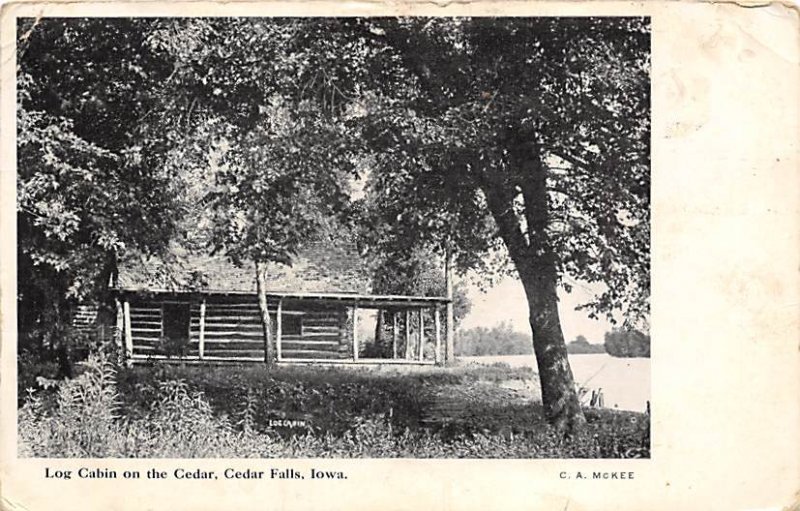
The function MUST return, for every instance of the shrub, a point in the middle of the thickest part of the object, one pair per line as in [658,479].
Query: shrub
[83,420]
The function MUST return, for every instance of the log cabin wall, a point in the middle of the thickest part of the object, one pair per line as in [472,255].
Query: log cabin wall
[232,328]
[145,322]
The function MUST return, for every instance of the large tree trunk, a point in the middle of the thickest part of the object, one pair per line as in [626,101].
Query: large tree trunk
[559,398]
[525,235]
[266,322]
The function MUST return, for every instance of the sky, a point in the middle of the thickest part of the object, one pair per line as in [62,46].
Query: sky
[506,302]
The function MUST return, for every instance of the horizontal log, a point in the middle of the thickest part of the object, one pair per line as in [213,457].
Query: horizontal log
[290,354]
[139,339]
[234,345]
[320,328]
[136,330]
[145,341]
[310,346]
[146,322]
[228,340]
[233,338]
[259,359]
[221,338]
[150,319]
[229,332]
[234,353]
[239,312]
[228,317]
[225,322]
[195,360]
[141,328]
[291,337]
[228,325]
[306,340]
[248,320]
[157,348]
[216,306]
[235,328]
[156,342]
[247,310]
[233,305]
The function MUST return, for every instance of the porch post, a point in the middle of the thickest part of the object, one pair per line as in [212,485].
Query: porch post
[119,335]
[409,348]
[436,327]
[126,308]
[394,334]
[279,329]
[421,335]
[449,351]
[201,345]
[355,332]
[118,338]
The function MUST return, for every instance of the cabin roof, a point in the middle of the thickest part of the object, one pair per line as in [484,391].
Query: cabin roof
[318,268]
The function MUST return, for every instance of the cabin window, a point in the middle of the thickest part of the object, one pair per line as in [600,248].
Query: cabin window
[176,318]
[291,324]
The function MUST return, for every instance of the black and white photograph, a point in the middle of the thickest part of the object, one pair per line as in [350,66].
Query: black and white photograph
[333,237]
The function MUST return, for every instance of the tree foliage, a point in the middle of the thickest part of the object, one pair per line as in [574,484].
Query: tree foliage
[622,342]
[577,89]
[95,181]
[527,137]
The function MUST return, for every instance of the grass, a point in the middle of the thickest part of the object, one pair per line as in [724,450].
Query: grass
[172,411]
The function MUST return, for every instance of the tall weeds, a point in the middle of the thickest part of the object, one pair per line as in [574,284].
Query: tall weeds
[84,419]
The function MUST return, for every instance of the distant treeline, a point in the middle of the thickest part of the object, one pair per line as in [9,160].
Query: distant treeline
[501,339]
[627,343]
[581,346]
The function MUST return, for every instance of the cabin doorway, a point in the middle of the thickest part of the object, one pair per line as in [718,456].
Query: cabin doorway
[176,320]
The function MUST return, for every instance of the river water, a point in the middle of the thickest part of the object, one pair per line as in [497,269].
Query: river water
[625,382]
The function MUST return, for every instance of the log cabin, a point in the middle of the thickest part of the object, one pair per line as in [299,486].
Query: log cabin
[205,310]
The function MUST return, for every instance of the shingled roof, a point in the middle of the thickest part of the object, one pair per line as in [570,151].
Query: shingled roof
[319,268]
